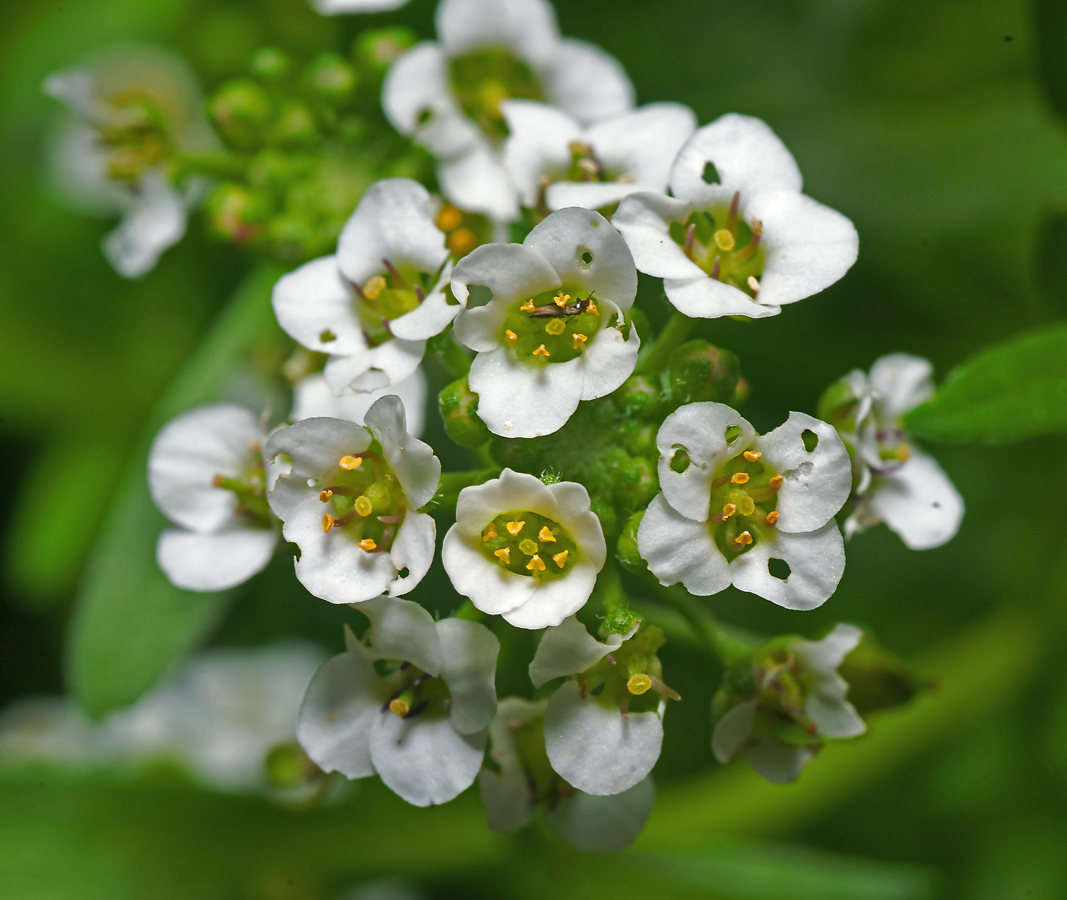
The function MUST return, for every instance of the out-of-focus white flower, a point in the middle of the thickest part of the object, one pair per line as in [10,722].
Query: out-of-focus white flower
[797,698]
[133,110]
[735,506]
[525,550]
[372,306]
[350,496]
[554,162]
[346,7]
[447,95]
[737,238]
[205,473]
[423,726]
[554,332]
[312,398]
[521,780]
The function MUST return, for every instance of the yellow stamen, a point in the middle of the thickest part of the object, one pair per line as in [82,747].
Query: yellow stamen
[328,522]
[740,477]
[373,288]
[490,532]
[350,462]
[399,707]
[776,482]
[728,510]
[753,283]
[638,684]
[449,218]
[747,505]
[579,339]
[903,452]
[462,241]
[367,544]
[743,538]
[528,547]
[752,455]
[515,527]
[218,481]
[528,306]
[325,495]
[757,226]
[772,517]
[364,507]
[556,326]
[724,240]
[591,307]
[561,299]
[541,351]
[545,535]
[535,564]
[560,559]
[504,555]
[512,337]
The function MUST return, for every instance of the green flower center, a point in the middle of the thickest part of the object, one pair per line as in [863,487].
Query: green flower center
[630,678]
[362,496]
[723,245]
[554,326]
[249,487]
[482,78]
[136,138]
[527,543]
[418,692]
[387,296]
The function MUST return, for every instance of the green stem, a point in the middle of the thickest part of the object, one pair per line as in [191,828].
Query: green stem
[725,644]
[674,333]
[469,612]
[454,482]
[609,587]
[214,165]
[447,349]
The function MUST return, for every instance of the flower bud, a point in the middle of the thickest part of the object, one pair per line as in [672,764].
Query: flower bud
[235,214]
[459,409]
[878,679]
[331,79]
[375,51]
[639,396]
[698,372]
[241,110]
[837,405]
[271,65]
[295,127]
[626,546]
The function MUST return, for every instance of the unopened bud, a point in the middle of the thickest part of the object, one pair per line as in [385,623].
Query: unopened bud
[331,79]
[639,396]
[241,111]
[698,372]
[459,409]
[235,214]
[296,128]
[837,405]
[375,51]
[626,546]
[878,679]
[271,65]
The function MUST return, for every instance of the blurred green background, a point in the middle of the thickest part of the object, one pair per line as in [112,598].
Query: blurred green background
[932,124]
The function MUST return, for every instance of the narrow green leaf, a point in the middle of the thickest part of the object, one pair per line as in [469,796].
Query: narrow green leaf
[1051,32]
[1003,395]
[130,624]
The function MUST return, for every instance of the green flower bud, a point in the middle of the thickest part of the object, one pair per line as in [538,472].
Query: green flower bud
[640,396]
[459,409]
[292,238]
[878,679]
[837,405]
[236,214]
[604,511]
[288,766]
[271,65]
[375,51]
[241,111]
[331,79]
[698,372]
[626,545]
[296,128]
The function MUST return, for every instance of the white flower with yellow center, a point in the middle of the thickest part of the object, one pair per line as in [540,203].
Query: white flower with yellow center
[525,550]
[555,162]
[412,704]
[755,511]
[205,473]
[312,398]
[447,95]
[349,496]
[372,306]
[737,238]
[554,330]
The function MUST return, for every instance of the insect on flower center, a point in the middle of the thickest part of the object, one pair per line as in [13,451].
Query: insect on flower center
[724,245]
[554,326]
[529,544]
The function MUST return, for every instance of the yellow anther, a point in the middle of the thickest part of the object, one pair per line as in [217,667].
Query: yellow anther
[776,482]
[512,337]
[364,507]
[561,299]
[218,481]
[399,707]
[528,547]
[724,240]
[515,527]
[579,339]
[490,532]
[367,544]
[747,505]
[903,452]
[325,495]
[545,535]
[374,287]
[728,510]
[638,684]
[449,218]
[772,517]
[328,522]
[753,283]
[556,326]
[560,559]
[350,462]
[528,306]
[744,538]
[757,226]
[591,307]
[740,478]
[752,455]
[589,165]
[535,564]
[462,241]
[504,555]
[541,351]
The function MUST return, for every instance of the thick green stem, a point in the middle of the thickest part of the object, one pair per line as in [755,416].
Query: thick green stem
[674,333]
[726,645]
[454,482]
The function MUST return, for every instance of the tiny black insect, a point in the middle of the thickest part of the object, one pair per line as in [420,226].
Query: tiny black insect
[558,312]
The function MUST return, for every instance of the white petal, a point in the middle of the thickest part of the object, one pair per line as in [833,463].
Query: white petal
[644,221]
[778,762]
[554,600]
[316,302]
[418,470]
[918,502]
[187,454]
[401,629]
[312,398]
[809,246]
[417,99]
[469,652]
[749,157]
[826,705]
[423,758]
[707,298]
[477,181]
[432,316]
[154,222]
[817,483]
[526,27]
[603,824]
[572,509]
[490,588]
[609,359]
[343,7]
[816,561]
[538,145]
[700,430]
[901,382]
[509,802]
[392,222]
[522,399]
[371,370]
[733,730]
[586,82]
[568,236]
[680,549]
[76,88]
[413,549]
[216,561]
[597,749]
[592,194]
[568,649]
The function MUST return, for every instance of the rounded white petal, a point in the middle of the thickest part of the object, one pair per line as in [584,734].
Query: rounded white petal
[312,398]
[609,359]
[469,652]
[154,221]
[680,549]
[187,454]
[644,221]
[591,194]
[587,82]
[373,369]
[816,561]
[401,629]
[490,588]
[586,251]
[826,705]
[214,562]
[708,298]
[76,89]
[809,246]
[817,483]
[733,730]
[568,649]
[526,27]
[392,222]
[518,398]
[538,145]
[418,470]
[413,549]
[315,302]
[509,802]
[554,600]
[424,759]
[901,382]
[603,824]
[917,501]
[343,7]
[749,159]
[596,748]
[698,429]
[476,180]
[779,763]
[432,316]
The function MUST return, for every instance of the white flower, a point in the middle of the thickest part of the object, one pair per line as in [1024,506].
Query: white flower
[797,698]
[129,107]
[735,506]
[603,727]
[312,398]
[738,237]
[349,497]
[343,7]
[447,95]
[423,726]
[896,482]
[373,305]
[205,473]
[554,162]
[525,550]
[533,369]
[521,781]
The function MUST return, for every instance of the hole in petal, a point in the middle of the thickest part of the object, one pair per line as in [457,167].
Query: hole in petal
[313,482]
[710,173]
[479,295]
[732,433]
[810,439]
[778,568]
[423,116]
[936,505]
[282,464]
[403,573]
[585,257]
[327,336]
[680,460]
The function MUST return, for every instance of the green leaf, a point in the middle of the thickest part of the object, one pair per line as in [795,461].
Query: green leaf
[130,624]
[1050,29]
[1007,394]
